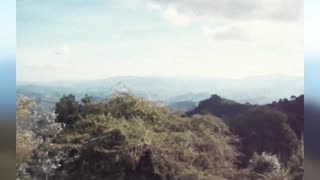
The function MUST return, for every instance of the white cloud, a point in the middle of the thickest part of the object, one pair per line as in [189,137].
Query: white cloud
[64,50]
[266,32]
[236,43]
[154,6]
[240,9]
[172,15]
[256,20]
[226,32]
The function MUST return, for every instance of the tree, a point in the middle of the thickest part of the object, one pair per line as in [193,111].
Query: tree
[67,110]
[265,130]
[86,99]
[293,97]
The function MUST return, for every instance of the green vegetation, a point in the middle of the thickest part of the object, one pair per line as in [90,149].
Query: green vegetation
[265,130]
[128,138]
[134,139]
[24,143]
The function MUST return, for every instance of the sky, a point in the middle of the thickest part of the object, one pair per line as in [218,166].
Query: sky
[311,30]
[312,50]
[7,60]
[7,30]
[97,39]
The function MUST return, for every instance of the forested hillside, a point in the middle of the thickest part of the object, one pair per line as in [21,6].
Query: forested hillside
[125,137]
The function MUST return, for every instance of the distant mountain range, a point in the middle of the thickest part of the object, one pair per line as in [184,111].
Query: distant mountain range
[255,90]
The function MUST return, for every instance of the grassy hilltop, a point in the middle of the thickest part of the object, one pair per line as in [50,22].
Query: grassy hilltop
[128,138]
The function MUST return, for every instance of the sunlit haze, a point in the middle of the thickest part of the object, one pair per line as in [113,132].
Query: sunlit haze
[98,39]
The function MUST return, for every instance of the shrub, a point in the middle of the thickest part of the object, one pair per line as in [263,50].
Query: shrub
[25,144]
[67,110]
[264,163]
[264,167]
[265,130]
[136,139]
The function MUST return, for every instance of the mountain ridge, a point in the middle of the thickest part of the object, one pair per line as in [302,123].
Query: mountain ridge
[256,90]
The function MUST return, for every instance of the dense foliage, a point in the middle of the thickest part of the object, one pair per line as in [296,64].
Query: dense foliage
[265,130]
[23,140]
[128,138]
[276,129]
[220,107]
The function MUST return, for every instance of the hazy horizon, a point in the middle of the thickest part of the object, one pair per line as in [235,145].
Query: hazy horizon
[272,76]
[253,89]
